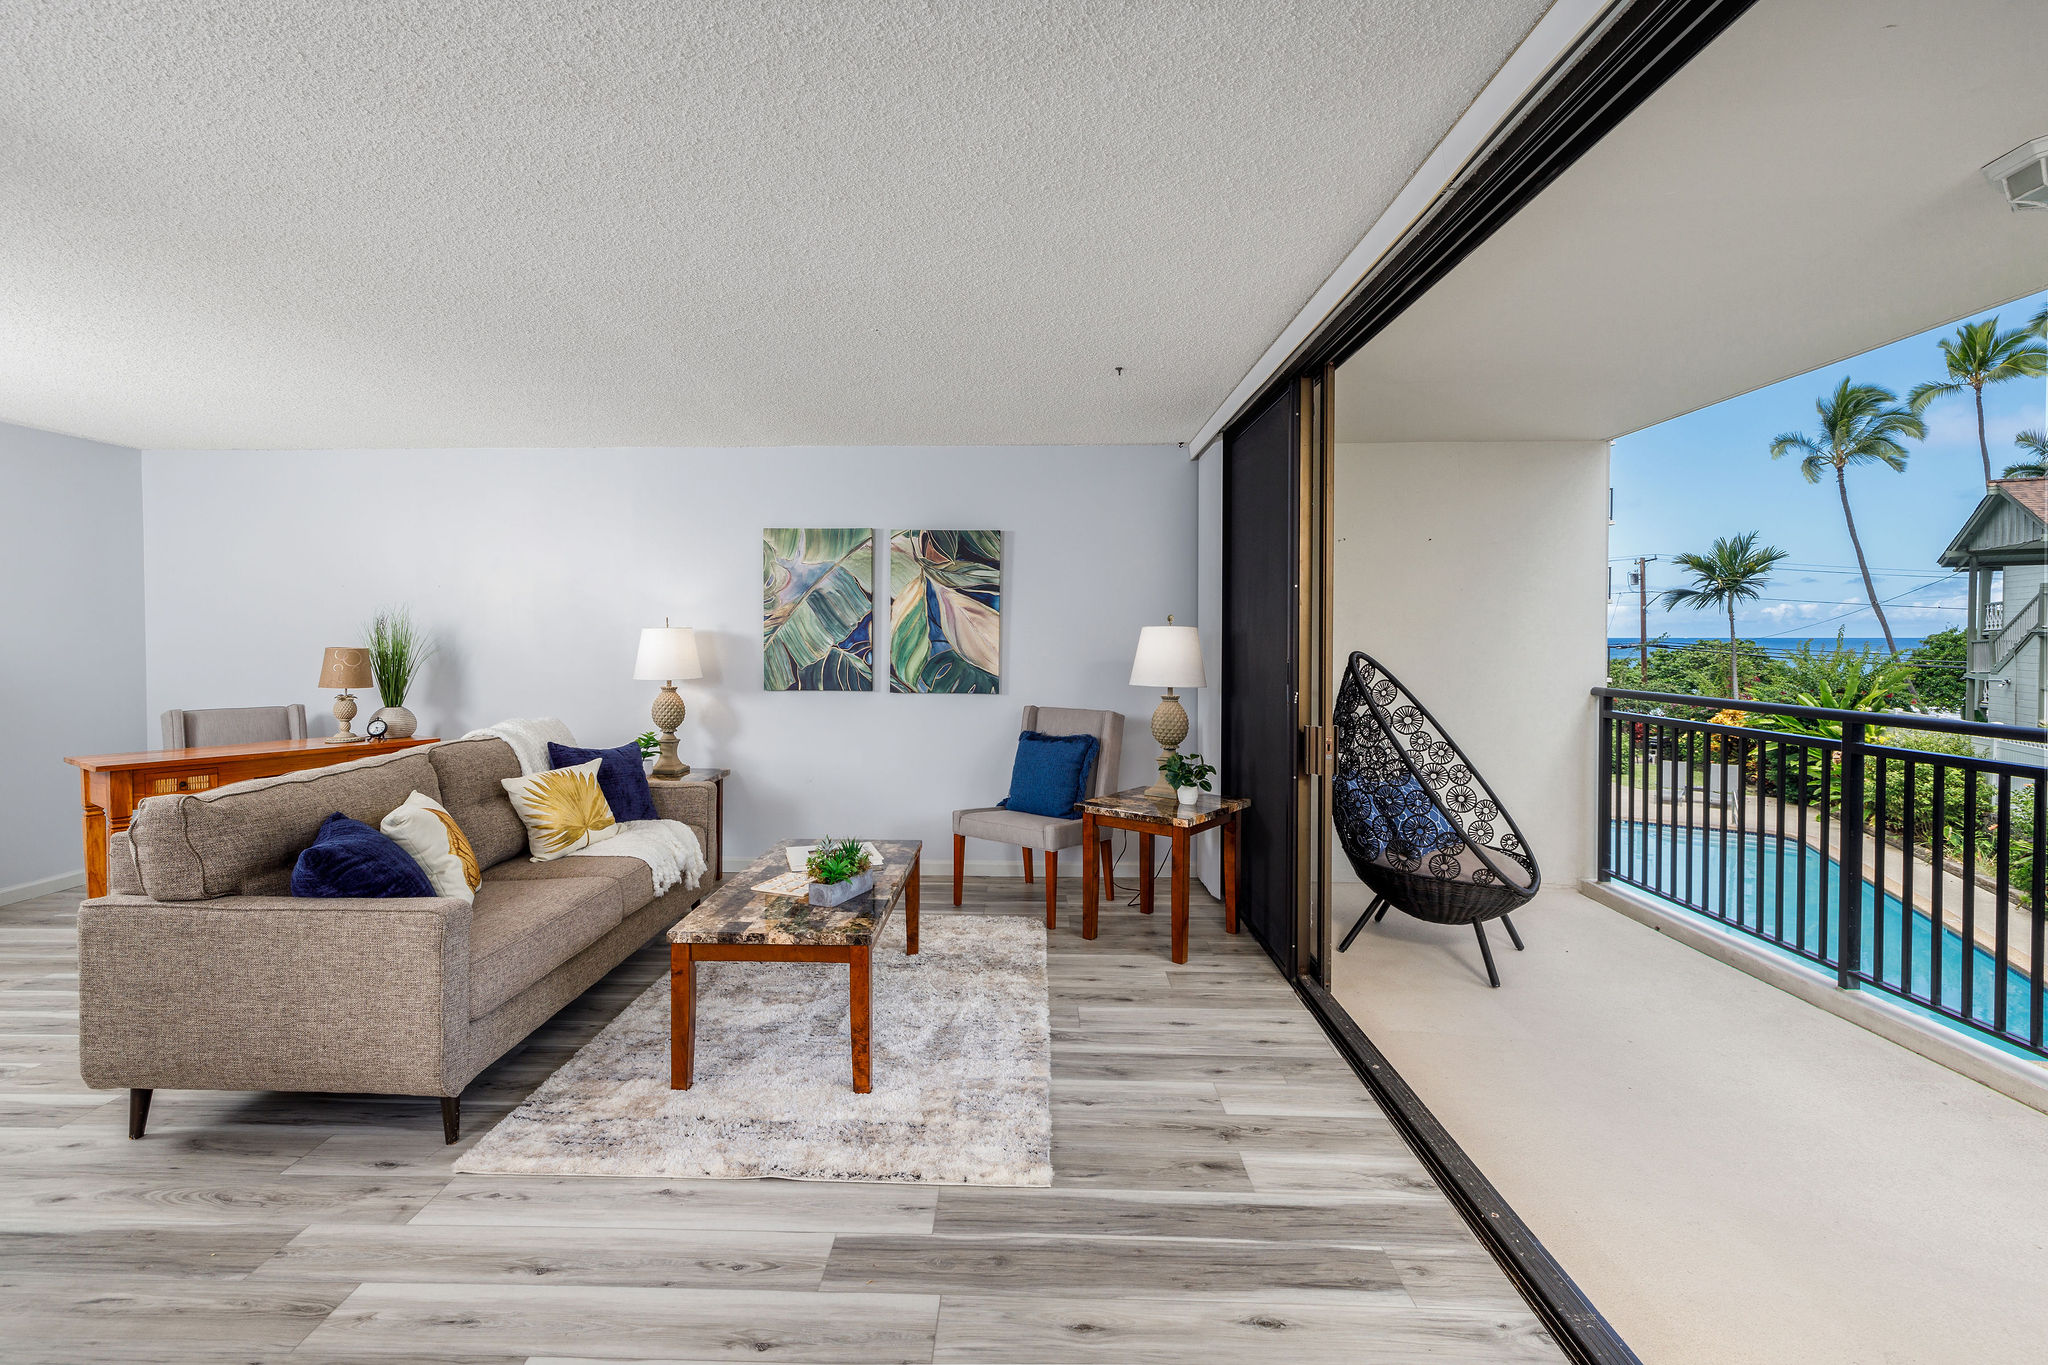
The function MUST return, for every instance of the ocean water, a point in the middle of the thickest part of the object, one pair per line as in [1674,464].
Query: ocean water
[1776,644]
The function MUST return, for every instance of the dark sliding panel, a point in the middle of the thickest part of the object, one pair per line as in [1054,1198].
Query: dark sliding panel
[1261,526]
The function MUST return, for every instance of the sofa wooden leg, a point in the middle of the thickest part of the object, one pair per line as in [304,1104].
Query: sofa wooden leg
[959,866]
[138,1112]
[451,1117]
[1052,888]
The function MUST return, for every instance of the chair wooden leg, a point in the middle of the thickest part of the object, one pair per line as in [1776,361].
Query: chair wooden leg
[1052,888]
[138,1112]
[959,865]
[1108,860]
[1486,951]
[451,1117]
[1027,865]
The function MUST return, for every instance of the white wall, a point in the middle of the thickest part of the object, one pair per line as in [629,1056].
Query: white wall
[537,568]
[1477,574]
[71,662]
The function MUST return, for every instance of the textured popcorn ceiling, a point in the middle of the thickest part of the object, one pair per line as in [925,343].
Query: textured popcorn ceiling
[476,222]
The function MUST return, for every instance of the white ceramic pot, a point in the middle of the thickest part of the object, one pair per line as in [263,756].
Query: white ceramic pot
[1189,795]
[838,893]
[399,723]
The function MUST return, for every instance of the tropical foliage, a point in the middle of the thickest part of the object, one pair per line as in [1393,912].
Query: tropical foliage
[399,650]
[1734,570]
[1938,666]
[1187,770]
[1859,424]
[1979,355]
[817,609]
[2034,463]
[946,611]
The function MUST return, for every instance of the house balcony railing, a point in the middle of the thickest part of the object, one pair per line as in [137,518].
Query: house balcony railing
[1912,871]
[1994,617]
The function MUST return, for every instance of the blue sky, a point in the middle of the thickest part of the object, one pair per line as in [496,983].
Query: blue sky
[1680,484]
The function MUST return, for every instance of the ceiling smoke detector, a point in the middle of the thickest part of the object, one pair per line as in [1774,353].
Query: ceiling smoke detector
[2022,174]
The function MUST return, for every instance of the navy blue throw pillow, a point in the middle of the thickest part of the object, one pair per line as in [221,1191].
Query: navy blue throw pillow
[622,777]
[1051,773]
[348,858]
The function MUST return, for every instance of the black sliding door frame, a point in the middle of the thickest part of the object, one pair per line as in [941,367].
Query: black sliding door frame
[1637,46]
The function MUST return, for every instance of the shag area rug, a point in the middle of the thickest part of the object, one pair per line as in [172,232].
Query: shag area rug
[962,1054]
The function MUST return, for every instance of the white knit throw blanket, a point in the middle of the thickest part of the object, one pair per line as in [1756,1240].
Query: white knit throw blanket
[668,847]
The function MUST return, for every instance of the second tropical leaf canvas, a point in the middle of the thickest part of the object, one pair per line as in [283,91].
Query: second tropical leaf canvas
[817,609]
[946,610]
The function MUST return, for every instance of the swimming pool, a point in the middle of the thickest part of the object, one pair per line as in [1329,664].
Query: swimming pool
[1788,901]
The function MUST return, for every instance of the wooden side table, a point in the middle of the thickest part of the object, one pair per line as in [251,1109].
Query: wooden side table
[1149,818]
[714,857]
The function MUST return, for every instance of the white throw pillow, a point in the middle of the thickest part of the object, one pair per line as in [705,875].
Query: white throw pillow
[564,810]
[424,828]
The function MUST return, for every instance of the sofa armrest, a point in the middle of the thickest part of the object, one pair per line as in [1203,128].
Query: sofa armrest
[696,805]
[274,993]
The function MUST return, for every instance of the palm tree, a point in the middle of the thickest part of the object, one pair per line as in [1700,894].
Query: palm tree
[2035,466]
[2039,325]
[1733,571]
[1980,354]
[1859,423]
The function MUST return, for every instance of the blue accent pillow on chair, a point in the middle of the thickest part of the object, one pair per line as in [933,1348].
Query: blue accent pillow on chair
[1051,773]
[622,777]
[348,858]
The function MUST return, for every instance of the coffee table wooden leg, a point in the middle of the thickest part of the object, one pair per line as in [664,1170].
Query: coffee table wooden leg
[1144,874]
[682,1015]
[1180,895]
[857,971]
[959,866]
[1088,862]
[911,885]
[1230,874]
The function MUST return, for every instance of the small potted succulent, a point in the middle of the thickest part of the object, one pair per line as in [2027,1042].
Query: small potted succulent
[1188,776]
[840,869]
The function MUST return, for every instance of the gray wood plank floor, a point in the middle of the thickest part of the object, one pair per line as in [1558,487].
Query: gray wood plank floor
[1224,1190]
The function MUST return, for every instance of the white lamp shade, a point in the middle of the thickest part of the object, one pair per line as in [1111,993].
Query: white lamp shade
[1168,656]
[667,652]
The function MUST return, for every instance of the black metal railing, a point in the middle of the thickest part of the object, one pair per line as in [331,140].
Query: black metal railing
[1884,849]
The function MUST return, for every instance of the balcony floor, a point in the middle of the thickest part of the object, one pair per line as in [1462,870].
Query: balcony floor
[1225,1189]
[1731,1175]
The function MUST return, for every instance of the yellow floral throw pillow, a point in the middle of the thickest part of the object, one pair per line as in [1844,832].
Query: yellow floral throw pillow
[564,810]
[424,828]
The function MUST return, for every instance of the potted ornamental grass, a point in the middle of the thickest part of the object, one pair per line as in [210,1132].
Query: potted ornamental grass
[399,650]
[840,869]
[1187,775]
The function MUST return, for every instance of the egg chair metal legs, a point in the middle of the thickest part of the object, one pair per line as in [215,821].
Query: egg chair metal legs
[1419,825]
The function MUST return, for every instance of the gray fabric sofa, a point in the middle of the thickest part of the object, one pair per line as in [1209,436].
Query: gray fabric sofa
[201,971]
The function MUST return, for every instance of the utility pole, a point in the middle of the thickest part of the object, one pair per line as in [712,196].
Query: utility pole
[1640,581]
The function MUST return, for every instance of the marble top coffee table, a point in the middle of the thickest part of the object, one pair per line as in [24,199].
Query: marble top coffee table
[736,923]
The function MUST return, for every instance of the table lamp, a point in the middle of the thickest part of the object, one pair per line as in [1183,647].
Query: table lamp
[666,653]
[345,668]
[1169,656]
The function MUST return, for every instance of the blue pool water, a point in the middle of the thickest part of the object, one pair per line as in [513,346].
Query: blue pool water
[1764,870]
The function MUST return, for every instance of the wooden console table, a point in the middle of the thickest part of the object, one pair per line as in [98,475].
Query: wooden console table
[111,785]
[1149,818]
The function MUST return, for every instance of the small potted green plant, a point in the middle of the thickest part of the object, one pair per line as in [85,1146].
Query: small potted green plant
[399,650]
[650,748]
[1188,776]
[840,869]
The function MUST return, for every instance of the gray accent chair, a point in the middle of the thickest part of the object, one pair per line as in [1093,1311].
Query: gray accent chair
[1048,834]
[233,725]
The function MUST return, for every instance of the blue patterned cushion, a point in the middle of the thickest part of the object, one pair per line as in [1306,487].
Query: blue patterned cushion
[1050,775]
[621,776]
[348,858]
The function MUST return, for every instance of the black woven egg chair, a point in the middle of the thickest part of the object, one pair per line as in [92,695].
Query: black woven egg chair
[1420,826]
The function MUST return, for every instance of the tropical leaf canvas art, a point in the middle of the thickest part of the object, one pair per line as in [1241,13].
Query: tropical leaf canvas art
[946,611]
[817,609]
